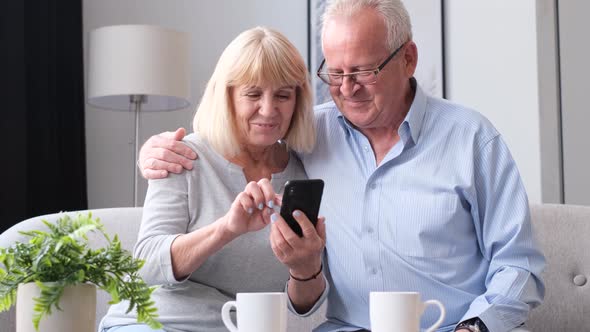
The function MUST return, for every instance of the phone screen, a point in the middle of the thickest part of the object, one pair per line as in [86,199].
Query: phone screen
[303,195]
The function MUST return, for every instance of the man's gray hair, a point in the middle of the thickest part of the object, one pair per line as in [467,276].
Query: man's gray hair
[394,13]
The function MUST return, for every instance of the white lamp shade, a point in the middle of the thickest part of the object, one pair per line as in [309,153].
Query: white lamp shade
[145,60]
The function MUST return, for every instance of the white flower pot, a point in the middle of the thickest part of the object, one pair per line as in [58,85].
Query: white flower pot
[78,314]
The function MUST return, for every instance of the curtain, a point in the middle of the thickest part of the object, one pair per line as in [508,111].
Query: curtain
[42,125]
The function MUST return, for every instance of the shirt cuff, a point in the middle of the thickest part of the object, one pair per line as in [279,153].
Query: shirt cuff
[488,315]
[502,315]
[165,260]
[315,306]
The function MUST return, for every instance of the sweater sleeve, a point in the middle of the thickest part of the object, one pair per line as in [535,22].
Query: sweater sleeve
[165,217]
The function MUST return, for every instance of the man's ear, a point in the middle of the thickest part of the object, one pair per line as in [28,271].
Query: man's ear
[410,58]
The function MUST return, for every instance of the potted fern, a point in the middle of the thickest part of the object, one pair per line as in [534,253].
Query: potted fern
[57,269]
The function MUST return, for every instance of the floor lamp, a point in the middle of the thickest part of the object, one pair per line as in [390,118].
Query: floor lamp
[138,68]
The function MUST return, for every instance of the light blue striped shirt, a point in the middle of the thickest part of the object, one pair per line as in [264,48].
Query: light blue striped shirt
[444,214]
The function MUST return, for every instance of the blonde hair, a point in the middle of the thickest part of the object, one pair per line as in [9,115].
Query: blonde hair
[394,13]
[257,56]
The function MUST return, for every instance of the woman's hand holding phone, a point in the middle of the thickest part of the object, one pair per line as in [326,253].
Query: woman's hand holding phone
[301,254]
[297,241]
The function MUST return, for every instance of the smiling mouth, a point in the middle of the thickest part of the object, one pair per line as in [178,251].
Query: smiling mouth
[265,125]
[355,102]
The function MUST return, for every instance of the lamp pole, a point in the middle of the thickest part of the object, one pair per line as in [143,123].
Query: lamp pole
[136,100]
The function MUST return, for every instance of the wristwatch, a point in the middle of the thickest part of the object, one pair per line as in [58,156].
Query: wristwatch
[473,325]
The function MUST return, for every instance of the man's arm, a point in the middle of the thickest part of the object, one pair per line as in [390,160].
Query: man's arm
[502,220]
[165,153]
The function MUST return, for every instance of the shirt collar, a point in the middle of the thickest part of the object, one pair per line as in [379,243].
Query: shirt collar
[413,119]
[345,124]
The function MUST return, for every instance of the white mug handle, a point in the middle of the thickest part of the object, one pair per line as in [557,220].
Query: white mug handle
[225,317]
[443,313]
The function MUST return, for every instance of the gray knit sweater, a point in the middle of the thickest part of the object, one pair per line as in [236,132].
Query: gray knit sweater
[182,203]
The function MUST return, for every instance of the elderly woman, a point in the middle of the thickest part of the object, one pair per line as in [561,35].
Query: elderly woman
[203,234]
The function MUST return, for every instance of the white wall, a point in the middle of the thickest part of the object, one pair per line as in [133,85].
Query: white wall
[491,65]
[426,19]
[211,24]
[575,72]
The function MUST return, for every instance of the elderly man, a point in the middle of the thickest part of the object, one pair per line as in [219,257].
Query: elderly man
[421,194]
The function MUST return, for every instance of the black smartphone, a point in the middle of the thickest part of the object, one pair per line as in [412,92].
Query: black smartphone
[303,195]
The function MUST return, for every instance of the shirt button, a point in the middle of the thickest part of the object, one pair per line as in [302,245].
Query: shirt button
[370,230]
[373,185]
[366,149]
[373,271]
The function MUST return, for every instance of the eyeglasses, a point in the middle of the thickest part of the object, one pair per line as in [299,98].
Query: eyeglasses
[362,77]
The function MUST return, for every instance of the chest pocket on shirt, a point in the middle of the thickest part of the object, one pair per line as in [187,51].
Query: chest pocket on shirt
[427,224]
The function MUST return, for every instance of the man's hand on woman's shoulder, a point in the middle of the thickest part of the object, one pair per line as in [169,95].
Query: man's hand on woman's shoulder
[163,153]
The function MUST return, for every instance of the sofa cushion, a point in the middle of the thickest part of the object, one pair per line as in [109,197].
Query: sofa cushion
[562,232]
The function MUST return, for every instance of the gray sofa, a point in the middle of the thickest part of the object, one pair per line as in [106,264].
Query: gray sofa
[562,231]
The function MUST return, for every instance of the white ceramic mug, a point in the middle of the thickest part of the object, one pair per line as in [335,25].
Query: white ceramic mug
[257,312]
[400,311]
